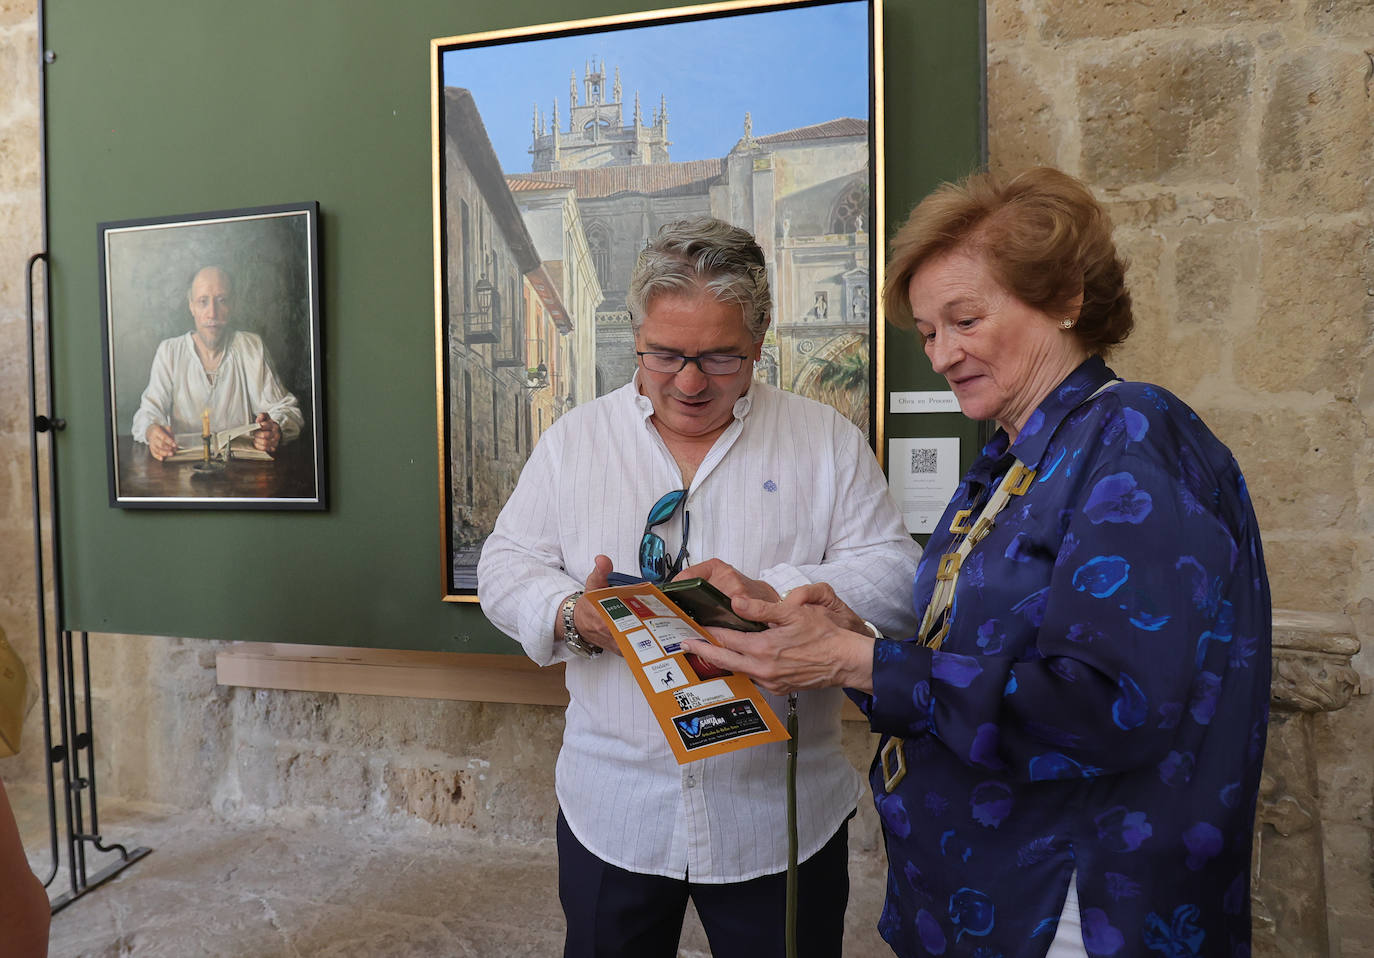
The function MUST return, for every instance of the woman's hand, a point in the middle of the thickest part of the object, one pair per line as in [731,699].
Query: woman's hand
[820,595]
[808,643]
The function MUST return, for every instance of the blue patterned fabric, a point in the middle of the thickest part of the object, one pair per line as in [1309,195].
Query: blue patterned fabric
[1099,704]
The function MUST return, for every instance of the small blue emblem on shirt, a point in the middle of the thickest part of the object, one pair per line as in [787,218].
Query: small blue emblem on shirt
[770,486]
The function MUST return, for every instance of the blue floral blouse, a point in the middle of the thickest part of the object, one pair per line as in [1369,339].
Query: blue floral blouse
[1099,704]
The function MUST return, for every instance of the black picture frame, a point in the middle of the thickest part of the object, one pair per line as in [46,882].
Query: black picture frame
[263,262]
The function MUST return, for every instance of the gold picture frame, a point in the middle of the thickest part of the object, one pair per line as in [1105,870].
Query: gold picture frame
[537,220]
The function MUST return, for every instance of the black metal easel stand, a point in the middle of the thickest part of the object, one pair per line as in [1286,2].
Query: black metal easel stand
[75,738]
[78,789]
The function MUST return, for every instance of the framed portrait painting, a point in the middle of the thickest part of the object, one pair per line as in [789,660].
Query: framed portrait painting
[561,149]
[212,370]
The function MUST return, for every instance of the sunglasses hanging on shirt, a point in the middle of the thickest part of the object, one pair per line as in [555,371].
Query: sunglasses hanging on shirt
[654,564]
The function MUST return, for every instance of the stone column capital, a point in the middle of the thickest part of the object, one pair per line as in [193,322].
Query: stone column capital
[1312,652]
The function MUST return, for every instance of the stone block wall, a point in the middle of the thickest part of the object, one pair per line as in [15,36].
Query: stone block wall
[176,737]
[1233,141]
[168,734]
[20,238]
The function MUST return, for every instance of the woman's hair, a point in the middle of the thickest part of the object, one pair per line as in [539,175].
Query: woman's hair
[1043,237]
[708,254]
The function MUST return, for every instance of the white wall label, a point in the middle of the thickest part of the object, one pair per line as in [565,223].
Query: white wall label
[938,401]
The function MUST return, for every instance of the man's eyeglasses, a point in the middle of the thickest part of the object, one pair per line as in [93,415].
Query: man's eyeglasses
[653,551]
[712,364]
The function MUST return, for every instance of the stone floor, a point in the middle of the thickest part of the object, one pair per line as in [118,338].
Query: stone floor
[336,889]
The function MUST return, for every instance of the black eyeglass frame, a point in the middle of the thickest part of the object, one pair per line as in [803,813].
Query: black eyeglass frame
[691,359]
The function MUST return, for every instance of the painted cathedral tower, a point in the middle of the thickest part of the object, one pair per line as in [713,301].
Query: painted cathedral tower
[596,134]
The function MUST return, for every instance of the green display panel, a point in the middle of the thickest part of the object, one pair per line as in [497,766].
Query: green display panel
[935,132]
[157,109]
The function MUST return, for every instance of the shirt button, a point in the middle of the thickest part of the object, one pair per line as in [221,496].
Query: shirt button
[691,781]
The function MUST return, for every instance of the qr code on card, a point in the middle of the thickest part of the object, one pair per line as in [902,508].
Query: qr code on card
[924,459]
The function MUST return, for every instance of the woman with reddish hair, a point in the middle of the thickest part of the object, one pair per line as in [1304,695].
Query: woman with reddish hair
[1071,743]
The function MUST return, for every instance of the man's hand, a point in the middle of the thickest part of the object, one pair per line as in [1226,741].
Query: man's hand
[268,434]
[803,647]
[730,580]
[161,442]
[590,625]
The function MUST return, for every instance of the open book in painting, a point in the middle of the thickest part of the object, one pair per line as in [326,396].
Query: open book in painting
[237,441]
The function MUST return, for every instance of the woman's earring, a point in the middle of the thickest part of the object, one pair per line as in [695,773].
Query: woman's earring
[1066,324]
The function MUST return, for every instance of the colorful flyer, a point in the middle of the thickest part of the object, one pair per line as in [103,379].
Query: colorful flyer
[703,710]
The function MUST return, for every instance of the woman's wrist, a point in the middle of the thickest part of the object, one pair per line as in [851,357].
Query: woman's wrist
[858,660]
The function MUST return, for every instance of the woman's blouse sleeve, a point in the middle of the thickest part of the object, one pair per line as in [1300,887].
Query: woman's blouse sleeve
[1134,631]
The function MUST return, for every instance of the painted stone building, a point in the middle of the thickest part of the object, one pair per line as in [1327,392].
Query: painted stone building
[597,134]
[802,192]
[555,224]
[503,310]
[548,354]
[621,208]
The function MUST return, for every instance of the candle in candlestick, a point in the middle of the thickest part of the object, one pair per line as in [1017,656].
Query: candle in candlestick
[205,435]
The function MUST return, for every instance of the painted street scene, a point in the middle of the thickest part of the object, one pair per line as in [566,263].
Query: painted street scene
[562,156]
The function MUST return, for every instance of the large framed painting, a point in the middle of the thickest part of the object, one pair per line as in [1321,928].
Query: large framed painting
[560,149]
[212,372]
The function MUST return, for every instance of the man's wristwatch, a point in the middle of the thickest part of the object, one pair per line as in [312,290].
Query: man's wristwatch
[570,634]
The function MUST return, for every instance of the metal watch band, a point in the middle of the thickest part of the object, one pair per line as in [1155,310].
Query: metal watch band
[571,636]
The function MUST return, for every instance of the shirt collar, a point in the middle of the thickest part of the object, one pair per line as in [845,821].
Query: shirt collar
[1035,435]
[645,405]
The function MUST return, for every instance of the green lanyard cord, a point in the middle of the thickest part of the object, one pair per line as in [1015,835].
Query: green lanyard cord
[791,930]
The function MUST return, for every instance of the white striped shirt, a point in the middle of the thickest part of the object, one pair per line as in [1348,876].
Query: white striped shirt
[790,493]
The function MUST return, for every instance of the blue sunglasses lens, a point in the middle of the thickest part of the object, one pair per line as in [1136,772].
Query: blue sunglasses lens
[663,510]
[653,558]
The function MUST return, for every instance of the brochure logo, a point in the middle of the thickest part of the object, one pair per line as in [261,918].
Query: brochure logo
[719,723]
[699,724]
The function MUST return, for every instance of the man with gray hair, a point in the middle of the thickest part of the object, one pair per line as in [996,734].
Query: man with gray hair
[773,491]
